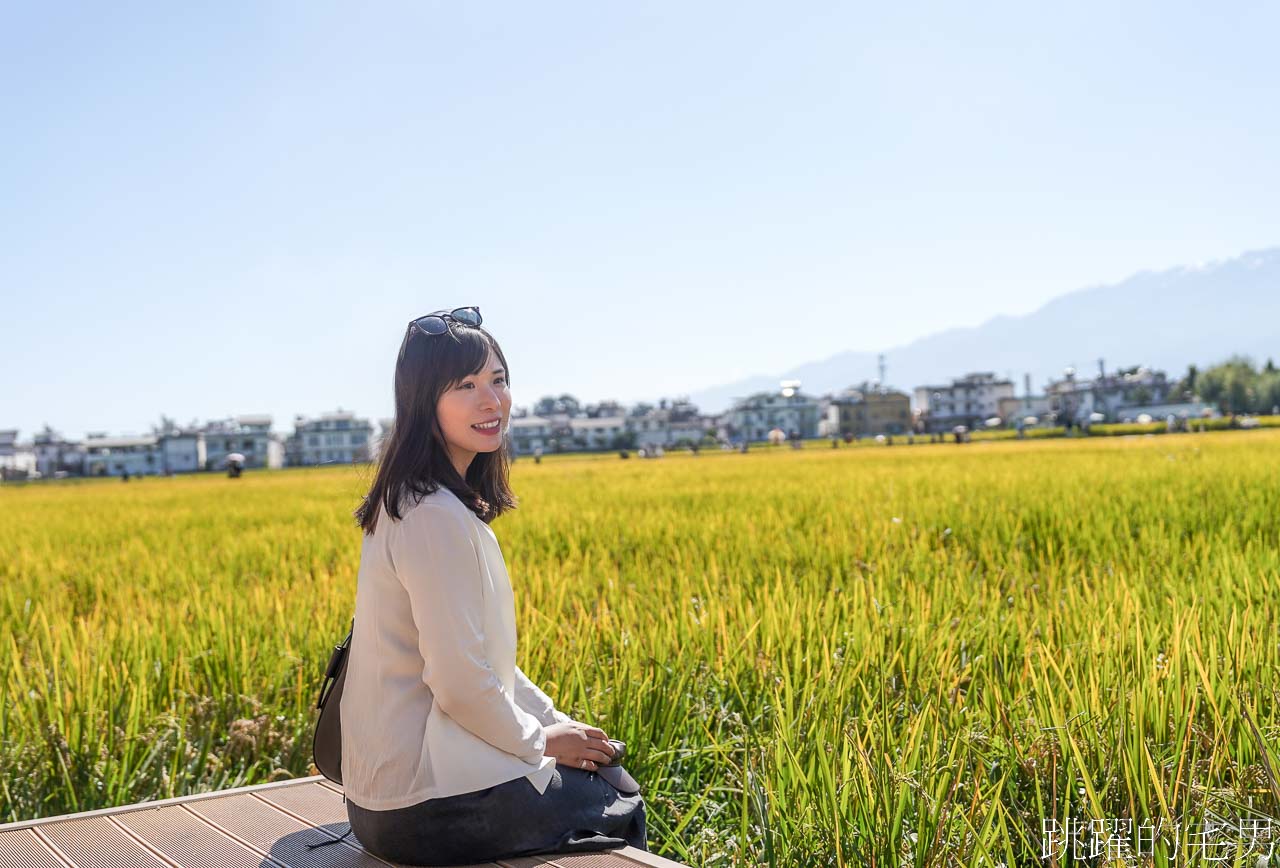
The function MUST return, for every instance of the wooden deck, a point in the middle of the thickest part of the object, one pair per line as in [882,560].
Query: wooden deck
[250,827]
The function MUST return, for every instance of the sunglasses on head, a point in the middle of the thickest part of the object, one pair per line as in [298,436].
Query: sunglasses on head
[437,323]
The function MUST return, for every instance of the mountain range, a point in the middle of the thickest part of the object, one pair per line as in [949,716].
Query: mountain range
[1161,319]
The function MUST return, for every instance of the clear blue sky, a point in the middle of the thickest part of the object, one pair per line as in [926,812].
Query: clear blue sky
[217,209]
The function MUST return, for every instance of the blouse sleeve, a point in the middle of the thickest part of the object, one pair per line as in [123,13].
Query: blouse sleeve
[531,698]
[438,564]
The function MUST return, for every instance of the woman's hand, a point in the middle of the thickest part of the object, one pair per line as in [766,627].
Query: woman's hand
[578,745]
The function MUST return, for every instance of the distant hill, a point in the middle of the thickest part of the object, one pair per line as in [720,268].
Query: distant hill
[1167,319]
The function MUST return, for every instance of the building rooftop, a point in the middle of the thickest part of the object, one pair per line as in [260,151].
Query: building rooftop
[529,421]
[602,422]
[119,442]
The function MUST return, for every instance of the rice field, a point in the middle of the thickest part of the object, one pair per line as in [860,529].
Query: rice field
[896,656]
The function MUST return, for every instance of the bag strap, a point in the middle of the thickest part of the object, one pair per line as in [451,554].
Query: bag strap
[336,658]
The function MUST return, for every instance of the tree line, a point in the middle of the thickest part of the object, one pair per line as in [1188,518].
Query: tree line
[1235,386]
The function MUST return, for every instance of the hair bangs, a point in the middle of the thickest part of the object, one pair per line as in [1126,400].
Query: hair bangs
[467,357]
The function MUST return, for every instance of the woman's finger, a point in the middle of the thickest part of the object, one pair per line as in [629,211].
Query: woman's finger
[603,746]
[599,757]
[595,731]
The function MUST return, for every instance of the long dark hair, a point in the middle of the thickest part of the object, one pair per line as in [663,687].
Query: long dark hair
[413,458]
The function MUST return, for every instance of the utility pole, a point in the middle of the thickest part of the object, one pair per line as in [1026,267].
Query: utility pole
[1100,388]
[1068,405]
[881,360]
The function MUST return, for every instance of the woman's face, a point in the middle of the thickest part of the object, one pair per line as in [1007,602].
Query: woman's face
[476,399]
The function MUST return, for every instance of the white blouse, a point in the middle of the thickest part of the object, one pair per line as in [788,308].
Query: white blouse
[434,704]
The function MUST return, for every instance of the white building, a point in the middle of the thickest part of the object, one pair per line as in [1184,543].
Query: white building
[249,435]
[601,433]
[17,460]
[693,429]
[183,451]
[1117,396]
[528,433]
[115,456]
[753,417]
[338,437]
[969,400]
[175,451]
[666,425]
[55,454]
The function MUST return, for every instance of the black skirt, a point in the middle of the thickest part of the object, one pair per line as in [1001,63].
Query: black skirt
[579,812]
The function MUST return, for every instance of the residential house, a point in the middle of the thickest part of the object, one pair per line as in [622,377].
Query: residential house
[528,433]
[599,433]
[56,455]
[17,460]
[668,424]
[1114,396]
[251,436]
[753,417]
[337,437]
[136,455]
[867,410]
[1024,407]
[183,451]
[969,400]
[692,429]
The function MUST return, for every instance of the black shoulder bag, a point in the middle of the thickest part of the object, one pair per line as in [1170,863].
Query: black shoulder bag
[326,745]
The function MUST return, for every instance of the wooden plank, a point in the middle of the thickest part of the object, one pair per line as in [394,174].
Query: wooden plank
[643,857]
[189,841]
[599,859]
[621,857]
[313,803]
[160,803]
[97,842]
[22,848]
[280,835]
[259,826]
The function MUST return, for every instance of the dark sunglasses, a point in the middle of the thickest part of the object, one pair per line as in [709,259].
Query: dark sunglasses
[437,323]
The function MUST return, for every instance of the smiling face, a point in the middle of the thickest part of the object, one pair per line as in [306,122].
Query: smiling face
[464,406]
